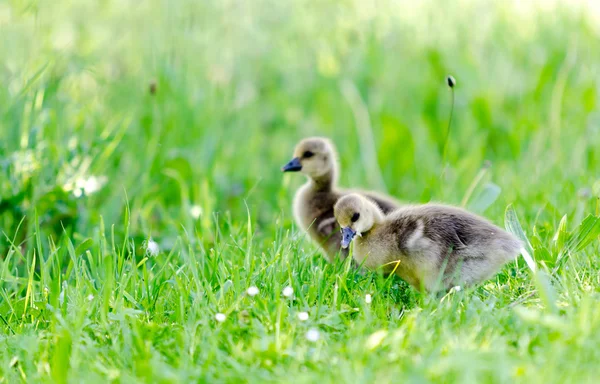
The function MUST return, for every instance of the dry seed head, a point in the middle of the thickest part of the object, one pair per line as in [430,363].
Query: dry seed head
[450,80]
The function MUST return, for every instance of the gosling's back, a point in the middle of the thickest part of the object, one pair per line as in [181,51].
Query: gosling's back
[456,228]
[441,245]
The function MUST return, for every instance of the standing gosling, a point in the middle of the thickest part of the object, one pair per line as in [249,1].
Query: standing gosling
[430,246]
[316,158]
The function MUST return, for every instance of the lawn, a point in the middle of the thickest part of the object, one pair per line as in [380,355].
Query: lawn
[141,194]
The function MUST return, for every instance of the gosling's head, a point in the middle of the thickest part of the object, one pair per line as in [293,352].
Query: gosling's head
[314,157]
[356,215]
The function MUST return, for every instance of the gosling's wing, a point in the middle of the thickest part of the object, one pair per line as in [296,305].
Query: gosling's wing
[461,231]
[326,224]
[329,231]
[451,228]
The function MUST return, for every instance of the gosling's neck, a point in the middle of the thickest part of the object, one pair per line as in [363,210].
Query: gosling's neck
[378,218]
[323,183]
[377,221]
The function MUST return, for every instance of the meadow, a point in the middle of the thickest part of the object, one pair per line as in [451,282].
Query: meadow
[141,194]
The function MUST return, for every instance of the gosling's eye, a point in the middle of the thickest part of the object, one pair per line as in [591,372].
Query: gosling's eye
[355,217]
[307,154]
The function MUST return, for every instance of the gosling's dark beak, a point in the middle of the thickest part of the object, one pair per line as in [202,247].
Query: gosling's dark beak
[347,236]
[293,166]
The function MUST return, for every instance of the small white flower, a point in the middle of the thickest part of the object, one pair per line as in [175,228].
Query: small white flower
[152,247]
[93,184]
[313,335]
[220,317]
[303,316]
[90,297]
[88,185]
[456,288]
[252,291]
[195,211]
[368,298]
[288,291]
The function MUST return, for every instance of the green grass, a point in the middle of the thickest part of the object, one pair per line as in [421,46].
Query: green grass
[235,86]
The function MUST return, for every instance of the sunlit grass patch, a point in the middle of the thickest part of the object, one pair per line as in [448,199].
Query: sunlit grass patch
[146,231]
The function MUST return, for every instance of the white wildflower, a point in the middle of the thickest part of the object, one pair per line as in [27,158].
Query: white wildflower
[90,297]
[93,184]
[152,247]
[456,288]
[368,298]
[252,291]
[313,335]
[196,211]
[303,316]
[288,291]
[220,317]
[86,186]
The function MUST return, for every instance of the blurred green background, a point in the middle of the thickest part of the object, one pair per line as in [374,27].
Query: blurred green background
[171,119]
[236,84]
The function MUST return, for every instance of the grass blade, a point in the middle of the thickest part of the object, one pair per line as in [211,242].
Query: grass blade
[512,225]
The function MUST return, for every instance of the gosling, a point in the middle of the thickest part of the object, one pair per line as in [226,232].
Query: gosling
[316,158]
[432,247]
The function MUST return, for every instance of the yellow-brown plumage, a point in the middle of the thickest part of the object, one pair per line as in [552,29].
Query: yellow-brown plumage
[430,246]
[315,157]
